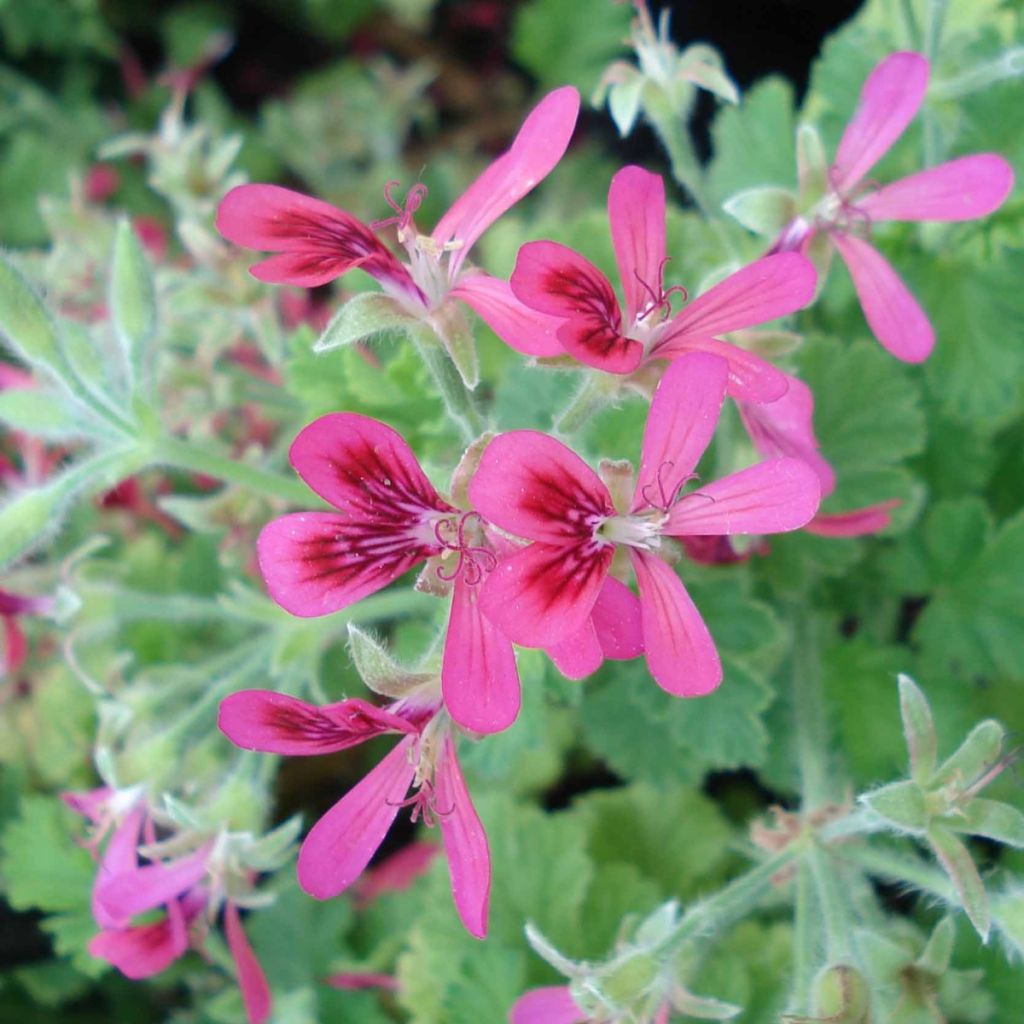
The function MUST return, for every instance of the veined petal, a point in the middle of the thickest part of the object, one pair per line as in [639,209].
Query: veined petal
[535,487]
[963,189]
[681,422]
[889,99]
[139,952]
[680,652]
[536,149]
[479,678]
[544,594]
[636,212]
[279,724]
[856,523]
[341,843]
[551,1005]
[252,982]
[465,842]
[618,622]
[134,892]
[524,329]
[892,313]
[119,858]
[578,655]
[771,497]
[751,378]
[315,563]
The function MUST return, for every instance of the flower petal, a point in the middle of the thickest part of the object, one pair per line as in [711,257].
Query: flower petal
[578,655]
[341,843]
[551,1005]
[636,212]
[963,189]
[617,619]
[892,313]
[139,952]
[751,378]
[771,497]
[889,99]
[252,982]
[119,858]
[524,329]
[681,422]
[133,892]
[536,149]
[479,678]
[465,842]
[276,723]
[856,523]
[680,652]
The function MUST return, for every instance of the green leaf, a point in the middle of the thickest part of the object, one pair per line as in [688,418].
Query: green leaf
[963,873]
[992,819]
[918,730]
[132,300]
[26,325]
[364,316]
[42,413]
[973,758]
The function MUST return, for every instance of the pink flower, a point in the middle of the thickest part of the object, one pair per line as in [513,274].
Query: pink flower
[534,487]
[316,242]
[15,646]
[961,189]
[594,330]
[555,1005]
[341,844]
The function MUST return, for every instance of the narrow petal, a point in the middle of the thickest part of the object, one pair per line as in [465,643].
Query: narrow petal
[396,872]
[892,313]
[252,982]
[341,843]
[536,149]
[751,378]
[91,804]
[545,594]
[578,655]
[963,189]
[552,1005]
[139,952]
[890,98]
[119,858]
[465,842]
[682,420]
[154,885]
[555,280]
[771,497]
[680,652]
[15,649]
[855,523]
[524,329]
[636,212]
[617,619]
[276,723]
[479,678]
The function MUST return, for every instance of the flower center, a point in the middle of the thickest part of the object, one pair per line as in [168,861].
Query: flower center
[639,530]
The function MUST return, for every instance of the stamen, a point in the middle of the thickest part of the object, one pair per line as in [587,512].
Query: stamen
[403,213]
[662,298]
[667,500]
[475,560]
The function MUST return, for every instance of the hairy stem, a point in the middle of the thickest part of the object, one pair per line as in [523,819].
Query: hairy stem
[812,734]
[457,398]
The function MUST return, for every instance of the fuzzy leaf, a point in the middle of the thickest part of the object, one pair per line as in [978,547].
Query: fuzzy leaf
[765,210]
[901,804]
[363,316]
[26,325]
[918,730]
[992,819]
[962,872]
[132,299]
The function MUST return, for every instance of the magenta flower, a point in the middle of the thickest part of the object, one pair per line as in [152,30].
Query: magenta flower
[533,486]
[961,189]
[341,844]
[316,242]
[15,646]
[596,331]
[555,1005]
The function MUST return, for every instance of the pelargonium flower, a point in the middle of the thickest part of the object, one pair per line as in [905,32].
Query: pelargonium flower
[557,281]
[554,1004]
[961,189]
[341,844]
[316,242]
[535,487]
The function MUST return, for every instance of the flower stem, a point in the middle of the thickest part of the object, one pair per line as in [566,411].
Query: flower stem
[833,905]
[809,710]
[805,946]
[457,398]
[885,862]
[593,395]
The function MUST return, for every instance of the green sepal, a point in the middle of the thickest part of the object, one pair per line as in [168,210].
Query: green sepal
[938,951]
[452,327]
[132,300]
[273,850]
[624,102]
[703,1007]
[811,165]
[901,804]
[991,819]
[379,670]
[918,730]
[702,65]
[963,873]
[26,324]
[362,317]
[765,210]
[973,758]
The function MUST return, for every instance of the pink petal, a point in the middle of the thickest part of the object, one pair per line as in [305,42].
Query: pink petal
[15,649]
[636,212]
[397,872]
[578,655]
[552,1005]
[770,287]
[618,621]
[681,422]
[351,981]
[890,98]
[892,313]
[142,951]
[963,189]
[544,594]
[536,149]
[91,804]
[279,724]
[556,281]
[751,378]
[465,842]
[771,497]
[524,329]
[535,487]
[855,523]
[479,678]
[341,843]
[251,980]
[134,892]
[681,655]
[119,858]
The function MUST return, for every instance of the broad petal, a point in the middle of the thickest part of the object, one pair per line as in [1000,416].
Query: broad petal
[770,287]
[341,843]
[251,980]
[618,621]
[578,655]
[855,523]
[889,99]
[315,563]
[524,329]
[751,378]
[771,497]
[396,872]
[465,842]
[134,892]
[276,723]
[552,1005]
[535,487]
[636,212]
[963,189]
[544,594]
[119,858]
[139,952]
[681,422]
[536,149]
[892,313]
[680,652]
[479,678]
